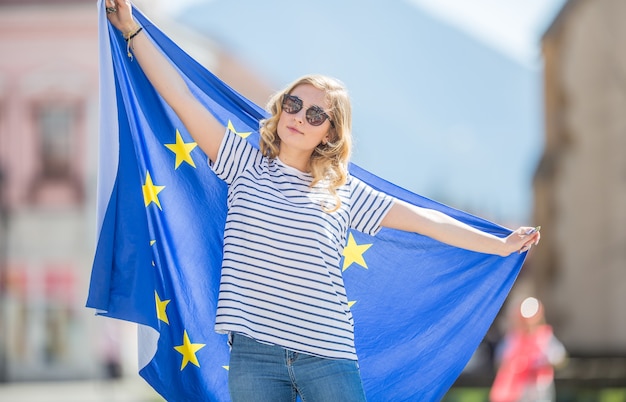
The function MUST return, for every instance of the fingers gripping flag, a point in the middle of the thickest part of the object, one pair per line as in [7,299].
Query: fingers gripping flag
[420,307]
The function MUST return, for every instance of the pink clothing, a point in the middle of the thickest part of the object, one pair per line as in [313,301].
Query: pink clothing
[525,367]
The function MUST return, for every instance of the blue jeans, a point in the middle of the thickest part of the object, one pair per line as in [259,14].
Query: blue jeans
[268,373]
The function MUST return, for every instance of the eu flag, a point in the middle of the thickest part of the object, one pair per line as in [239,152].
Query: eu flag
[420,307]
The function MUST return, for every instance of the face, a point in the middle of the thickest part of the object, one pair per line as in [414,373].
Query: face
[295,131]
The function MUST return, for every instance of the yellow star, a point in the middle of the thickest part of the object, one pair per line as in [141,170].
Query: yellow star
[182,150]
[161,305]
[227,368]
[354,253]
[150,191]
[232,128]
[351,303]
[188,350]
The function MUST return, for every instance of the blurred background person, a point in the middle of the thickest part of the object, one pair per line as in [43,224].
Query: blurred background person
[527,356]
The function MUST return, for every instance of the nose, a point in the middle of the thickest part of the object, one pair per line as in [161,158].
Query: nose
[299,116]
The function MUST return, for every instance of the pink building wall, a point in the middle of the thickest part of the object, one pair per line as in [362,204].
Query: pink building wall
[49,56]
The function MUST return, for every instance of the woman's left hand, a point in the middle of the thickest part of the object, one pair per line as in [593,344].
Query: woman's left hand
[522,239]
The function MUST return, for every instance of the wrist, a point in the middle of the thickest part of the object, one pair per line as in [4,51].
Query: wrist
[504,249]
[130,29]
[128,36]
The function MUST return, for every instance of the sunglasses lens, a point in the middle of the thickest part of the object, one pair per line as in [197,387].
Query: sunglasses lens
[292,104]
[315,116]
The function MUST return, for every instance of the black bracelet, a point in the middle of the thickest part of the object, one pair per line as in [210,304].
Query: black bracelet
[134,34]
[128,43]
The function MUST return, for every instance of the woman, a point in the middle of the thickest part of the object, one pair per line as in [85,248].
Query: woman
[290,206]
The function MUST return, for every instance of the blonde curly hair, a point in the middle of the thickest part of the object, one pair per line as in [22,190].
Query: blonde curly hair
[329,161]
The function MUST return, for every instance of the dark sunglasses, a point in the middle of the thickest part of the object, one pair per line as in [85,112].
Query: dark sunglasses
[315,115]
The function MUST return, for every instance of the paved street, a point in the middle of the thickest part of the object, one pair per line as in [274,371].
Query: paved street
[125,390]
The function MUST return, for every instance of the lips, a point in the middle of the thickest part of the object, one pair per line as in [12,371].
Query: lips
[294,130]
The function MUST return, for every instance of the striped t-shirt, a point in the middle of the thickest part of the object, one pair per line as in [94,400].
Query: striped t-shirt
[281,280]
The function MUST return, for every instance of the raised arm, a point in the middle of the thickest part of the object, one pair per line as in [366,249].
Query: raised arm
[446,229]
[201,124]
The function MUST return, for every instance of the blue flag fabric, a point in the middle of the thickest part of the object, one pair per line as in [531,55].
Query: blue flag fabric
[420,307]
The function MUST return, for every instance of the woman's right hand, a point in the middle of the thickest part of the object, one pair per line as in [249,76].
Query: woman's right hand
[122,17]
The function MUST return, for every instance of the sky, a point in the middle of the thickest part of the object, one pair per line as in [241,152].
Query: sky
[514,27]
[511,26]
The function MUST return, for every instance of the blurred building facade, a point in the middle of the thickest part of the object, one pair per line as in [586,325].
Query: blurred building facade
[580,184]
[48,122]
[48,174]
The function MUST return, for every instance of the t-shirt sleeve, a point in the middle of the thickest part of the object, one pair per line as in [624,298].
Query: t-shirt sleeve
[235,155]
[368,207]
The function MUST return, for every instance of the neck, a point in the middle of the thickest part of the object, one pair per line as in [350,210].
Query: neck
[298,160]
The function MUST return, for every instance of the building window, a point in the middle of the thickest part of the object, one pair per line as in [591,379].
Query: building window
[58,179]
[55,125]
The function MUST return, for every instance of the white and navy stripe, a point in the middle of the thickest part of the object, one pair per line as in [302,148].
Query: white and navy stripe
[281,279]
